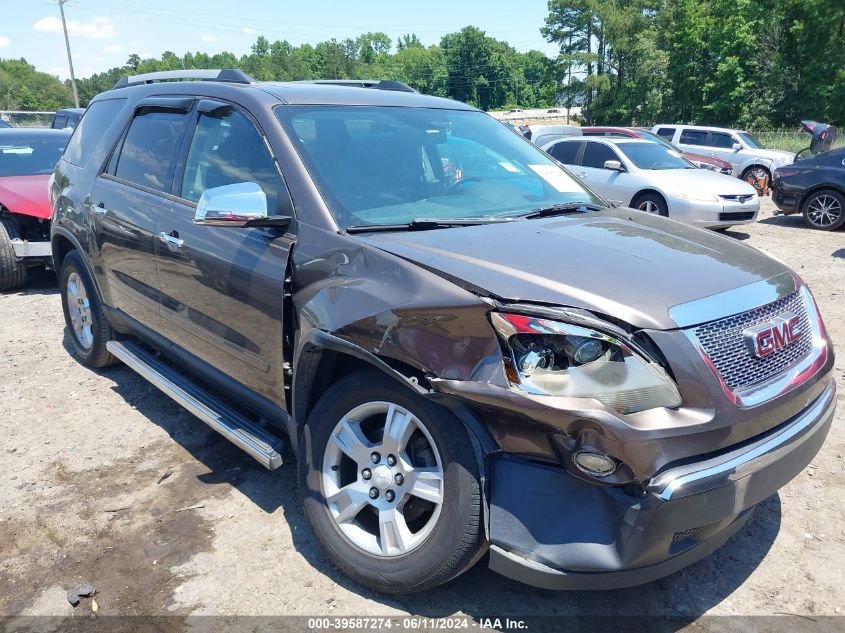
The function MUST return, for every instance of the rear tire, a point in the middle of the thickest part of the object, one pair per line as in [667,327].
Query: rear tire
[652,203]
[86,322]
[12,269]
[397,542]
[825,210]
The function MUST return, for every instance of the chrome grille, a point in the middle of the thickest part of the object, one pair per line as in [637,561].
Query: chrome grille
[722,342]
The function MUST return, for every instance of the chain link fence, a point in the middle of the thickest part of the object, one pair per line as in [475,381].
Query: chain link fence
[20,118]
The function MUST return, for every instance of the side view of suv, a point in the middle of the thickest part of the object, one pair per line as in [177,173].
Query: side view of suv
[751,161]
[463,347]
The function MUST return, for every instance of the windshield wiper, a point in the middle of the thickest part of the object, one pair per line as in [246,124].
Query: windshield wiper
[424,224]
[563,209]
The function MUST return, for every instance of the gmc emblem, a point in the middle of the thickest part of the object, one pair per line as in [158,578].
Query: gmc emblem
[767,338]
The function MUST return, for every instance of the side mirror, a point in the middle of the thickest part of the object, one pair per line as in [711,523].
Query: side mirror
[736,147]
[231,205]
[615,165]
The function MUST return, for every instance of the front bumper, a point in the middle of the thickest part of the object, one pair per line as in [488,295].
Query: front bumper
[715,214]
[552,530]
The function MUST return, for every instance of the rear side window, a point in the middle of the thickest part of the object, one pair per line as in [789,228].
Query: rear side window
[150,147]
[90,129]
[694,137]
[60,122]
[719,139]
[226,148]
[565,152]
[666,132]
[595,154]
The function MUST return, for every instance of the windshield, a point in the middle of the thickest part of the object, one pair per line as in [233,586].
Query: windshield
[388,165]
[749,140]
[30,158]
[654,156]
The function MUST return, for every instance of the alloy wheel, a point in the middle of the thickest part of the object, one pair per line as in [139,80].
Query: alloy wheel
[824,211]
[382,478]
[649,207]
[79,310]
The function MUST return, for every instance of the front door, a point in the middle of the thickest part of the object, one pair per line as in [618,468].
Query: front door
[610,183]
[222,288]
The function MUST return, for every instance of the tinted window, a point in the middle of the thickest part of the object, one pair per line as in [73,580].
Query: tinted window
[150,147]
[666,132]
[60,122]
[226,148]
[565,152]
[693,137]
[89,132]
[718,139]
[595,154]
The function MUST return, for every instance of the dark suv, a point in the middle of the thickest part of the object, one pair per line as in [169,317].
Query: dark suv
[465,349]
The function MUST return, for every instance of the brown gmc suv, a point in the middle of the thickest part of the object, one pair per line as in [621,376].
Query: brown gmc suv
[463,347]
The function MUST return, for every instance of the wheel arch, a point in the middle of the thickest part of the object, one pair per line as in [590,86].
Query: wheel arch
[816,189]
[649,191]
[322,359]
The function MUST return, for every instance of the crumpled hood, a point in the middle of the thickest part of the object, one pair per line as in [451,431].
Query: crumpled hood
[26,195]
[627,264]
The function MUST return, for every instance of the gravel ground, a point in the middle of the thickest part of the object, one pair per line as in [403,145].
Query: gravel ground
[106,481]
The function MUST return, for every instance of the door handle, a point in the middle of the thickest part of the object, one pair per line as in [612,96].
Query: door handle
[171,239]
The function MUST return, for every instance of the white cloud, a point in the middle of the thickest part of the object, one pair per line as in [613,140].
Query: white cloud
[208,38]
[95,29]
[5,41]
[114,48]
[249,31]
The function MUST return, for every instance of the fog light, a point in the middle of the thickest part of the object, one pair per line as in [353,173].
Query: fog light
[595,464]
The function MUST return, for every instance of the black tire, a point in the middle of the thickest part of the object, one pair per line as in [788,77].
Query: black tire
[834,215]
[12,269]
[758,177]
[457,538]
[649,201]
[96,354]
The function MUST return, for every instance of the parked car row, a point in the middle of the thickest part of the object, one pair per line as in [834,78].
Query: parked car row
[814,187]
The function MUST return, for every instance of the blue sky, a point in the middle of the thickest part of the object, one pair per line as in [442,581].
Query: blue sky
[104,32]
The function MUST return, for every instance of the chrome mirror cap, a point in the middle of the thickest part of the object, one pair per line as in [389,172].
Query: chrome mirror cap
[231,205]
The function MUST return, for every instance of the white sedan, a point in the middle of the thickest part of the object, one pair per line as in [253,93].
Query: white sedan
[652,177]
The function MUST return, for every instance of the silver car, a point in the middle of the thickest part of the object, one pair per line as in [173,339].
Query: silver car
[654,178]
[751,161]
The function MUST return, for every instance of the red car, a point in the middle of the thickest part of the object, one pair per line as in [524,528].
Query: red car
[27,159]
[706,162]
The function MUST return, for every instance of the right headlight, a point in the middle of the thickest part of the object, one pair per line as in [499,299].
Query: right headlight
[561,359]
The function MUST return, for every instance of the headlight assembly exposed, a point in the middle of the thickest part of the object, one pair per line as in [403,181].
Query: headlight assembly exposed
[560,359]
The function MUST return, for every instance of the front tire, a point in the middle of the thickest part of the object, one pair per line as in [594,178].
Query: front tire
[89,330]
[12,269]
[390,485]
[825,210]
[652,203]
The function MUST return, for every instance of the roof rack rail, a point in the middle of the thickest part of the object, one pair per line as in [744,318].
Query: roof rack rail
[378,84]
[230,75]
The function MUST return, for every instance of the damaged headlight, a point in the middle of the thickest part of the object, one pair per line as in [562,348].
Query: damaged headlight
[561,359]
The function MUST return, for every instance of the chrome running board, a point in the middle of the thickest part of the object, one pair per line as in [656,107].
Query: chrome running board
[234,426]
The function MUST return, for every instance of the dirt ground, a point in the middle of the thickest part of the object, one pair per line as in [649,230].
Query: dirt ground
[105,480]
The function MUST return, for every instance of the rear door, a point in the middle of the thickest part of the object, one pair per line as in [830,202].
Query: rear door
[223,288]
[609,183]
[693,140]
[127,201]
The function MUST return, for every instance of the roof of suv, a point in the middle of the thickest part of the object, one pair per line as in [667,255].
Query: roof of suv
[326,92]
[708,128]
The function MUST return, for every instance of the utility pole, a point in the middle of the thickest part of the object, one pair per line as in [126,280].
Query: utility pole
[69,58]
